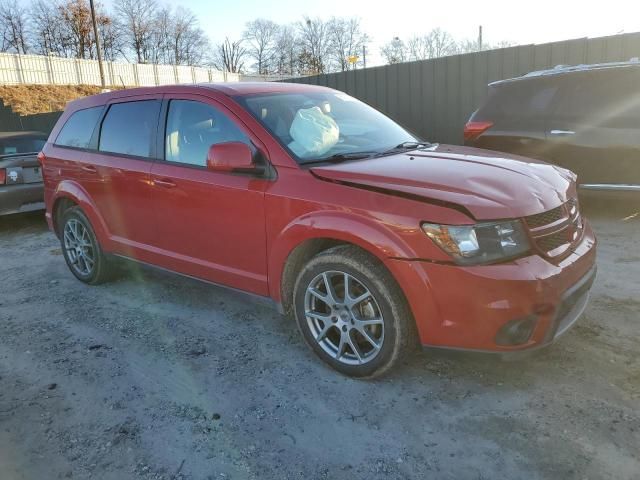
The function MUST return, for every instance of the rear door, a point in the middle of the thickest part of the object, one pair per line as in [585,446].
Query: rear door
[117,176]
[595,128]
[209,224]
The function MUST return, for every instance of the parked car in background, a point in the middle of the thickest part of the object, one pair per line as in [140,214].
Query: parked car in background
[21,188]
[584,118]
[371,238]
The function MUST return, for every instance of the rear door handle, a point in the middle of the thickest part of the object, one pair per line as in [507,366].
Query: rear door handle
[89,169]
[166,183]
[562,133]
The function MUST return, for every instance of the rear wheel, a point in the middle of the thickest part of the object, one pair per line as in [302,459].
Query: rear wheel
[352,313]
[81,249]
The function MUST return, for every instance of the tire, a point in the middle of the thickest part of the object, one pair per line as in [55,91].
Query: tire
[81,249]
[338,333]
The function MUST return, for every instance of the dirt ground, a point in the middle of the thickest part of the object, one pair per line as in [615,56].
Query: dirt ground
[160,377]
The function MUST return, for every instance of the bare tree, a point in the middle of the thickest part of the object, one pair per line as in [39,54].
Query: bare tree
[187,41]
[394,51]
[138,18]
[261,36]
[470,46]
[110,37]
[48,29]
[346,39]
[436,43]
[230,56]
[14,25]
[159,42]
[314,40]
[285,61]
[76,18]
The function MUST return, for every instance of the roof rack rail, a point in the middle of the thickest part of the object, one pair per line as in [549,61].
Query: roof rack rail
[572,68]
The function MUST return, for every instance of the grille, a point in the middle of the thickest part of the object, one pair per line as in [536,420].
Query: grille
[553,241]
[546,218]
[549,234]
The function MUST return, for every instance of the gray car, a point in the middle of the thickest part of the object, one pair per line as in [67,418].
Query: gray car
[21,188]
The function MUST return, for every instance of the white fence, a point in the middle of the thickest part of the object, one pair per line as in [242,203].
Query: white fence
[29,69]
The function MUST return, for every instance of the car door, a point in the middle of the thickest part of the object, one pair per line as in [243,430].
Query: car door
[117,176]
[595,128]
[210,225]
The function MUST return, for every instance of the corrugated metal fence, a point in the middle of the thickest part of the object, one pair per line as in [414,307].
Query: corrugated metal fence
[435,98]
[42,69]
[13,122]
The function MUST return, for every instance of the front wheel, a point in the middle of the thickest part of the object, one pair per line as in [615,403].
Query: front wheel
[352,313]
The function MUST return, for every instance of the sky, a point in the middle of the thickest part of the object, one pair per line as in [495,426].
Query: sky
[536,21]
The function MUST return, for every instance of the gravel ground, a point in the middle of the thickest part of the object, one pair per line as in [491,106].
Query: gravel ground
[160,377]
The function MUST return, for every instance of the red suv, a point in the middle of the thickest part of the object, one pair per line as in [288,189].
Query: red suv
[368,236]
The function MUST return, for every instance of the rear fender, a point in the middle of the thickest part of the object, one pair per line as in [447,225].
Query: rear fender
[73,191]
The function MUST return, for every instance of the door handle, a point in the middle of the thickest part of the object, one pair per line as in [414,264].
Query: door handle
[166,183]
[562,133]
[89,169]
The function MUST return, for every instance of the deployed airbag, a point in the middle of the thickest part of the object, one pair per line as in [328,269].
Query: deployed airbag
[314,133]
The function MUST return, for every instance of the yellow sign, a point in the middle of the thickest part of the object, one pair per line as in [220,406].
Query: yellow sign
[353,59]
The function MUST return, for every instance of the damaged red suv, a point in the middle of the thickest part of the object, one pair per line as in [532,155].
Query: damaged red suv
[371,238]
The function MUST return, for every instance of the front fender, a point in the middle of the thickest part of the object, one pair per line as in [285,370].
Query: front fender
[369,235]
[73,191]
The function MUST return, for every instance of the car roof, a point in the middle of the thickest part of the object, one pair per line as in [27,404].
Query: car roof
[230,89]
[567,69]
[249,88]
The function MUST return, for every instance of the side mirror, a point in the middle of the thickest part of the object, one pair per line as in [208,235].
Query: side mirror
[231,157]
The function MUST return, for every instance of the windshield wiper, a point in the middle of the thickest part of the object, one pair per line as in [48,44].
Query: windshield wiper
[410,145]
[340,157]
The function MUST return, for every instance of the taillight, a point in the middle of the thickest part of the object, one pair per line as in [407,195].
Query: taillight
[41,159]
[3,176]
[473,130]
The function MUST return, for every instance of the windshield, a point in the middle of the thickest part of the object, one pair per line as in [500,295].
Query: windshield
[318,126]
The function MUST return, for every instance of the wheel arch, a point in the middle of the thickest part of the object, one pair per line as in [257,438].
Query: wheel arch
[70,194]
[309,235]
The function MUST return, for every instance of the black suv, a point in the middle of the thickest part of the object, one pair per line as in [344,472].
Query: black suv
[585,118]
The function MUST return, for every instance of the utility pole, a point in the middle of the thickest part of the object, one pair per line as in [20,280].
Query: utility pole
[480,38]
[364,56]
[97,37]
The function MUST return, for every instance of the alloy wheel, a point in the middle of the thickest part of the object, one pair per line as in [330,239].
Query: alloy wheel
[344,317]
[78,247]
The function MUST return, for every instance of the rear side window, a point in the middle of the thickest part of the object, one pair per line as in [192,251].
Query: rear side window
[79,128]
[521,98]
[607,98]
[128,128]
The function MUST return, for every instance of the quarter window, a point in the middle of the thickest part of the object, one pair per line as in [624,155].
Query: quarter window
[606,98]
[78,129]
[128,128]
[192,127]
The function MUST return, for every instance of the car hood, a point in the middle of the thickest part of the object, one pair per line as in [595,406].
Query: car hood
[489,185]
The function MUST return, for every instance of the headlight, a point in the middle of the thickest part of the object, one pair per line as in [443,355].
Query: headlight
[481,243]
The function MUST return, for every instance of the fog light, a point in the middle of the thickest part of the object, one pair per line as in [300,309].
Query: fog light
[516,332]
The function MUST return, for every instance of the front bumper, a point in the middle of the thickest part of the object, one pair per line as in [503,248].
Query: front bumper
[21,198]
[466,307]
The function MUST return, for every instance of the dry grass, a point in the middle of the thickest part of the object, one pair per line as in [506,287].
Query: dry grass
[28,99]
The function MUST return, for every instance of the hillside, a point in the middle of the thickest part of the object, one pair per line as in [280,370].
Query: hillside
[29,99]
